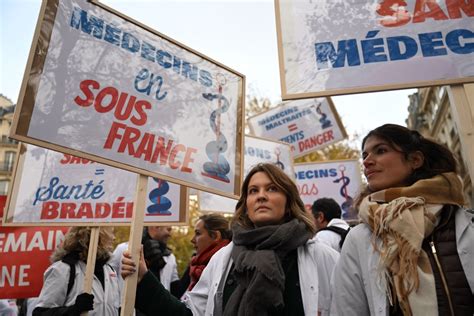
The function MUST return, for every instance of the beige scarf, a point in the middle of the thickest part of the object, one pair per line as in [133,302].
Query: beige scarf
[401,218]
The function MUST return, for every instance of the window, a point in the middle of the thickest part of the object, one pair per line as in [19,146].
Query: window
[4,187]
[9,160]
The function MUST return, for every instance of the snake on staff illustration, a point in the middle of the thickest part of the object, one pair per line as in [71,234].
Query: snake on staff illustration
[347,209]
[161,204]
[278,163]
[323,117]
[218,167]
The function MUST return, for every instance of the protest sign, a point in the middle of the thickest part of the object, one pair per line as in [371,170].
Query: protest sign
[340,180]
[57,189]
[21,276]
[307,125]
[332,47]
[101,86]
[256,150]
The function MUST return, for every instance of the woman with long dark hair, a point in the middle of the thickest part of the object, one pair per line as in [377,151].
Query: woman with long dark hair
[412,254]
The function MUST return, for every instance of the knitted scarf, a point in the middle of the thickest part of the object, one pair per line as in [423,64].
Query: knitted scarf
[401,218]
[257,256]
[199,262]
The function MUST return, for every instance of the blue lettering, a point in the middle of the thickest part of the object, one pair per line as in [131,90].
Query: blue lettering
[346,48]
[394,49]
[112,35]
[373,49]
[130,43]
[428,44]
[453,43]
[93,25]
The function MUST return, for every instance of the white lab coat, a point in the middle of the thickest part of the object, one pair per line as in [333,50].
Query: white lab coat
[56,279]
[315,264]
[356,286]
[168,274]
[332,238]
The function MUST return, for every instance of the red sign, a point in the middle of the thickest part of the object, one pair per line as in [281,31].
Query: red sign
[25,253]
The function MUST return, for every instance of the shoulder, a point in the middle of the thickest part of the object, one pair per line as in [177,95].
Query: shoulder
[337,222]
[121,248]
[321,250]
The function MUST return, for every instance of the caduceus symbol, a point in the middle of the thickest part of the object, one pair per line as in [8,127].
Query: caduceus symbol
[346,206]
[278,163]
[161,204]
[218,167]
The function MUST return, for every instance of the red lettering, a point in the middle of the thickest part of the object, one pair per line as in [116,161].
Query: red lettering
[85,210]
[129,210]
[396,17]
[49,210]
[109,98]
[106,92]
[89,96]
[175,164]
[160,151]
[130,135]
[434,11]
[102,210]
[65,159]
[67,210]
[187,160]
[140,107]
[455,7]
[146,146]
[113,134]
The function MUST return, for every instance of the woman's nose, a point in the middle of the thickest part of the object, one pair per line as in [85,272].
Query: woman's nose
[367,161]
[261,195]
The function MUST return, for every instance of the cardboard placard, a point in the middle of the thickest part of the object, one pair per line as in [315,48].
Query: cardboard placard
[340,180]
[328,47]
[307,125]
[101,86]
[51,188]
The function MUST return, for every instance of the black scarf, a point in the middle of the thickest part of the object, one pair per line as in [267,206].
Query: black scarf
[257,256]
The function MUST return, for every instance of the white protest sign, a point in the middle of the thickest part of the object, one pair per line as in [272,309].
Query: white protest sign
[104,87]
[340,180]
[256,150]
[59,189]
[307,125]
[335,47]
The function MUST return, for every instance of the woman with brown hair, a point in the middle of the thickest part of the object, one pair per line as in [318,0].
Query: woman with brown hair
[62,292]
[271,267]
[412,254]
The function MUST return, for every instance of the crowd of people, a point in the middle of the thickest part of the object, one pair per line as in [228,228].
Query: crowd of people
[411,253]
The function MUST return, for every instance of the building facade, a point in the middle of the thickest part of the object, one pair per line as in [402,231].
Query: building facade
[430,114]
[8,147]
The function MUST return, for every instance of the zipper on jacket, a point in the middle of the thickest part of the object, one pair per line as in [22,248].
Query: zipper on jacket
[443,279]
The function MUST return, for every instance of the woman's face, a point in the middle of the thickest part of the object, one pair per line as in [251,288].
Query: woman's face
[384,166]
[265,202]
[201,240]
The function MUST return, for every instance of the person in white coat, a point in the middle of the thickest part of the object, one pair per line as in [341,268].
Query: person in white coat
[61,297]
[412,254]
[330,227]
[272,267]
[159,257]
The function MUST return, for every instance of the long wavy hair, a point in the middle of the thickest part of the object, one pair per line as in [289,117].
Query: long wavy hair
[294,205]
[77,240]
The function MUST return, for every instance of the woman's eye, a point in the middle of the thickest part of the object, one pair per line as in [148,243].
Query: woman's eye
[381,150]
[252,190]
[273,189]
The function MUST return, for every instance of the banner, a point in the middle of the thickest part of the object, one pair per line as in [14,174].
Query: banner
[256,150]
[307,125]
[56,189]
[329,47]
[340,180]
[101,86]
[25,253]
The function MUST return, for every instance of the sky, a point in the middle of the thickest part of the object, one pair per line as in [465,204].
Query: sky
[240,34]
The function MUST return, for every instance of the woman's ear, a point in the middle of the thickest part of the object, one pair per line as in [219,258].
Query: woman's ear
[417,159]
[217,235]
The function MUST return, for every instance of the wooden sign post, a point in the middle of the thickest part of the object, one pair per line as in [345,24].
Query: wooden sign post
[134,246]
[91,257]
[462,107]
